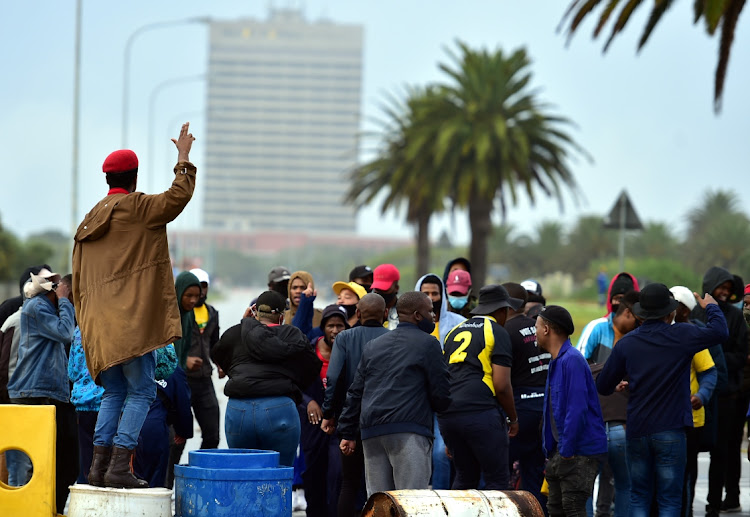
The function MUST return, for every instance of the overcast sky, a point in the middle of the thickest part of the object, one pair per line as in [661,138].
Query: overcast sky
[647,120]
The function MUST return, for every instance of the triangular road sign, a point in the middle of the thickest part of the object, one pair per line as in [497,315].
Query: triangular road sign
[623,209]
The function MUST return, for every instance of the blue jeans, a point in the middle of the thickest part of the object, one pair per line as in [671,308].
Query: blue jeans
[657,461]
[129,390]
[618,462]
[441,465]
[270,423]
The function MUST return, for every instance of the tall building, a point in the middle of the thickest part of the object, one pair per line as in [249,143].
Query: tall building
[284,100]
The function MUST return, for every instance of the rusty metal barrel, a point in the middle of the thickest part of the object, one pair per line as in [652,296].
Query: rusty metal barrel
[452,503]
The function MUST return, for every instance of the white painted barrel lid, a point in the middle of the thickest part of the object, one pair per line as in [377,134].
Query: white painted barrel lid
[92,501]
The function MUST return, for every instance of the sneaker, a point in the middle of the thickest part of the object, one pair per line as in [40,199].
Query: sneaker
[298,500]
[730,507]
[711,511]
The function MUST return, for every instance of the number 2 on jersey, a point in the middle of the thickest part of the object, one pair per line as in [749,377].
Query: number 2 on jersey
[464,338]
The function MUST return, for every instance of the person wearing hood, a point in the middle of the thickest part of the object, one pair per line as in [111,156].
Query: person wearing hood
[321,478]
[460,298]
[482,415]
[188,289]
[445,321]
[268,365]
[204,337]
[120,250]
[302,294]
[725,468]
[599,335]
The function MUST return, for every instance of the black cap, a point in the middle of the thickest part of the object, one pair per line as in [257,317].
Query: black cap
[271,302]
[279,274]
[655,302]
[360,272]
[332,311]
[559,316]
[622,284]
[494,297]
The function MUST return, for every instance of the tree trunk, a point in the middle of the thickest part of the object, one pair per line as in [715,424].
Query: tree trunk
[480,222]
[423,242]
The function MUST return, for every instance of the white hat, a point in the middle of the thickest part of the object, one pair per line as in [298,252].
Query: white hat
[202,275]
[44,281]
[684,296]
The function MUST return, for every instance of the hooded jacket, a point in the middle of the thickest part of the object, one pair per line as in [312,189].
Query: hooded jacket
[448,320]
[735,346]
[266,360]
[310,317]
[609,291]
[187,318]
[124,292]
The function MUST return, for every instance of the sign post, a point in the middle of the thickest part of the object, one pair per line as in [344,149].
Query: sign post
[622,217]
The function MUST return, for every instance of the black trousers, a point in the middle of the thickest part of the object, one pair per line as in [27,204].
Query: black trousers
[725,468]
[86,427]
[321,478]
[353,493]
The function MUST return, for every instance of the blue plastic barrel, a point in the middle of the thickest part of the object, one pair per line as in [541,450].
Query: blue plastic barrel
[229,482]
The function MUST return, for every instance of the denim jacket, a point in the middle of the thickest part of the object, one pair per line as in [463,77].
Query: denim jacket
[571,395]
[42,369]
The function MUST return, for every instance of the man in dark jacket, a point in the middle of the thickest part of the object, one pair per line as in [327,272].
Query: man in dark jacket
[202,393]
[401,381]
[724,471]
[345,357]
[656,359]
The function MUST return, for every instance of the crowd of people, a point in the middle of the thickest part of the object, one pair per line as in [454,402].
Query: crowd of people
[448,385]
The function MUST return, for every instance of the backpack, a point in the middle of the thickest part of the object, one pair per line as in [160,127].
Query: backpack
[6,339]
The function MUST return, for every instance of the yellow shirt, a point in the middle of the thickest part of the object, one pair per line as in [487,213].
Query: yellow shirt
[436,332]
[201,316]
[702,361]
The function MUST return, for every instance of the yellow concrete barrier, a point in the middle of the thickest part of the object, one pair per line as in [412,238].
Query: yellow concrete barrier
[30,429]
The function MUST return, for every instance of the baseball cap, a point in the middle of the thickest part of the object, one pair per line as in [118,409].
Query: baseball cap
[458,282]
[384,277]
[279,274]
[352,286]
[271,302]
[200,274]
[560,316]
[684,295]
[331,311]
[360,272]
[532,286]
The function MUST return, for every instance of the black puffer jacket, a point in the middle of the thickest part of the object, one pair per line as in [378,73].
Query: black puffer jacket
[266,361]
[735,347]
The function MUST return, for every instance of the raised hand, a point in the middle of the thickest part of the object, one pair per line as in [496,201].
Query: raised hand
[706,300]
[184,143]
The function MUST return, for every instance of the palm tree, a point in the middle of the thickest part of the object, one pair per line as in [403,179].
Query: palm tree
[488,136]
[400,170]
[713,12]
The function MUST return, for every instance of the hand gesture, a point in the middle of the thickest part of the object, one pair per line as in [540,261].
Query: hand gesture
[310,291]
[184,142]
[314,413]
[706,300]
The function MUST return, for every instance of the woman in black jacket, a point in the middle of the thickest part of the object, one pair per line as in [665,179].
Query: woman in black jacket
[268,365]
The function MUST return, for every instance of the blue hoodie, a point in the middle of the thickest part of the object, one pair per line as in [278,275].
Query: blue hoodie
[447,320]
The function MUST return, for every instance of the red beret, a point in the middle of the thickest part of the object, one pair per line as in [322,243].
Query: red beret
[123,160]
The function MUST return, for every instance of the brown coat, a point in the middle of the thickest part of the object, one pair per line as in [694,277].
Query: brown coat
[123,287]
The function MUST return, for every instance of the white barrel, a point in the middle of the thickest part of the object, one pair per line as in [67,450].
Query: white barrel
[452,503]
[92,501]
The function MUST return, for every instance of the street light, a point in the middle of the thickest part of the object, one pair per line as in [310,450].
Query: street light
[126,65]
[76,124]
[152,107]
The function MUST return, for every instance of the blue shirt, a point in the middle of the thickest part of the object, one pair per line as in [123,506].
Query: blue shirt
[656,359]
[86,395]
[571,397]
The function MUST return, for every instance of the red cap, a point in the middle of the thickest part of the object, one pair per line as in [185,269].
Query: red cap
[384,276]
[123,160]
[747,289]
[458,281]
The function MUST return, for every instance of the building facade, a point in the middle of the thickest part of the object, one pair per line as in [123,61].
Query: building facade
[283,114]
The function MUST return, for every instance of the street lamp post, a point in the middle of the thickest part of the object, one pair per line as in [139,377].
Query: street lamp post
[76,121]
[152,108]
[126,64]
